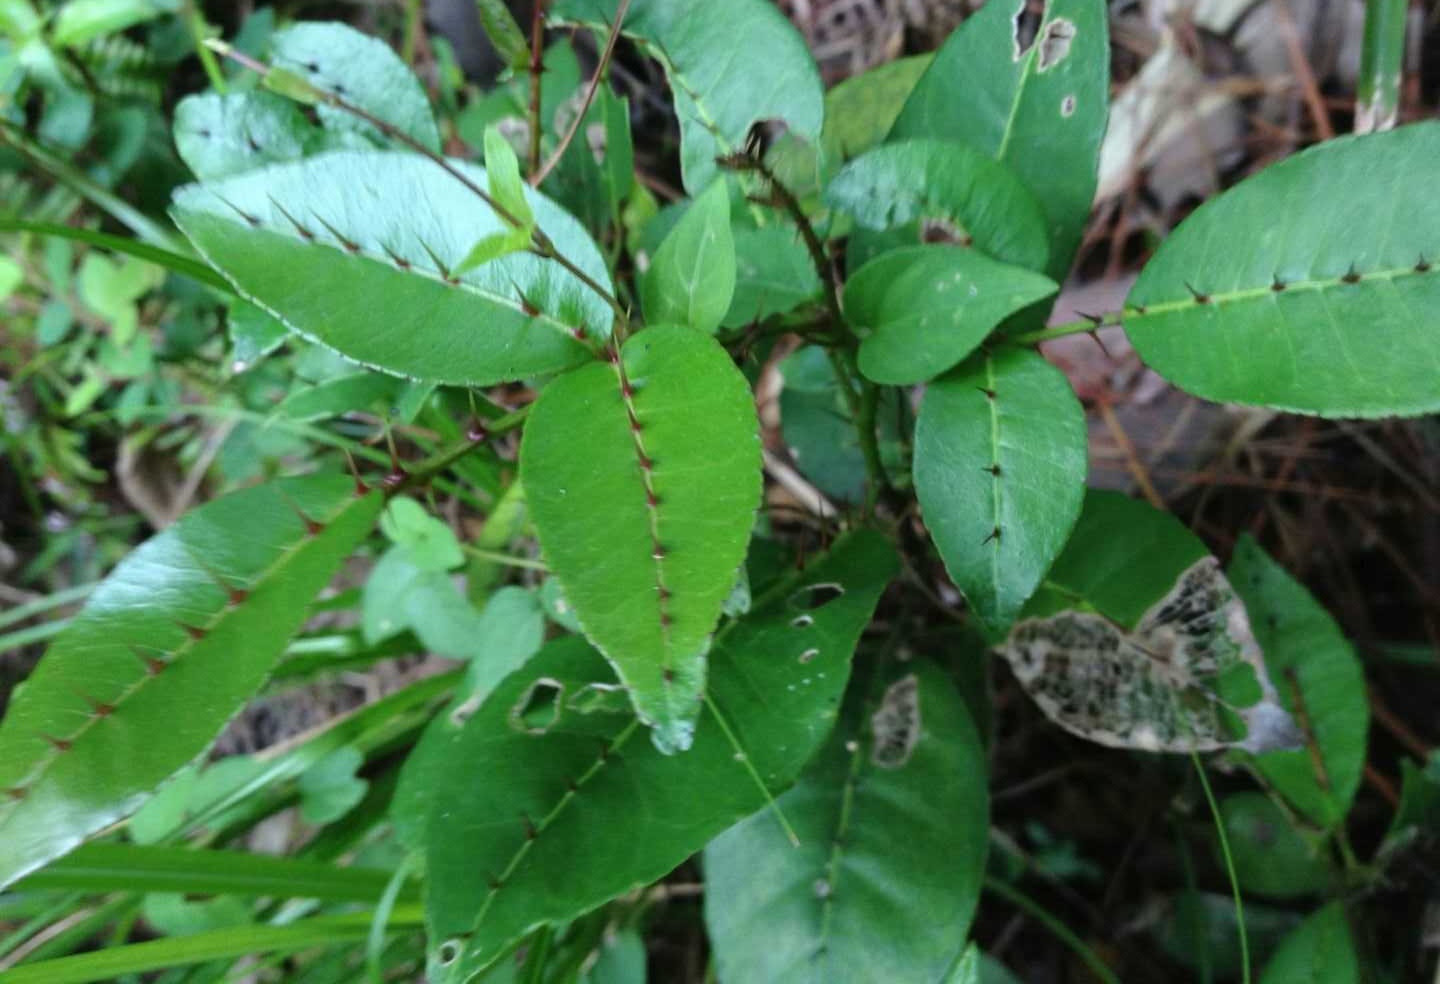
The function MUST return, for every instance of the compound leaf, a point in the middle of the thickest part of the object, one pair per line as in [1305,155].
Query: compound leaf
[893,824]
[643,477]
[357,250]
[164,653]
[1309,287]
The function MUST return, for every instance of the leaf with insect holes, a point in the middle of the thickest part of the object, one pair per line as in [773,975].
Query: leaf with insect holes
[1038,108]
[577,808]
[712,54]
[220,135]
[914,191]
[893,823]
[164,653]
[643,477]
[691,279]
[357,250]
[364,71]
[1311,286]
[922,309]
[1183,675]
[1321,683]
[1000,479]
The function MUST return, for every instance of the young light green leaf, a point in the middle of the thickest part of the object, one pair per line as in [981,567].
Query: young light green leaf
[514,239]
[506,185]
[1331,310]
[428,542]
[195,619]
[500,27]
[364,71]
[922,309]
[1000,459]
[1320,951]
[1321,684]
[917,191]
[81,21]
[11,276]
[219,135]
[1038,107]
[711,72]
[357,251]
[643,477]
[893,823]
[578,808]
[691,279]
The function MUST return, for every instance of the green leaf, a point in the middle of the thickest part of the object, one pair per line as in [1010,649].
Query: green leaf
[609,812]
[497,244]
[712,72]
[998,532]
[1320,951]
[429,543]
[1323,297]
[968,970]
[1039,110]
[110,288]
[356,391]
[922,309]
[194,618]
[931,191]
[643,478]
[131,868]
[621,960]
[1123,556]
[1271,858]
[858,114]
[691,279]
[393,301]
[329,789]
[500,27]
[184,265]
[220,135]
[773,274]
[11,276]
[82,21]
[893,823]
[365,72]
[253,334]
[506,185]
[1309,658]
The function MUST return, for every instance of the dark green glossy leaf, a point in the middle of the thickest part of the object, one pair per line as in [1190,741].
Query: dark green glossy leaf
[918,191]
[998,532]
[1320,951]
[1271,857]
[646,523]
[218,136]
[1315,669]
[193,620]
[893,824]
[364,71]
[712,54]
[922,309]
[691,278]
[1346,231]
[1039,110]
[577,808]
[392,301]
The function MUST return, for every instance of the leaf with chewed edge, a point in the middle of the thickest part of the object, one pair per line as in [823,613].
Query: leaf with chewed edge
[576,808]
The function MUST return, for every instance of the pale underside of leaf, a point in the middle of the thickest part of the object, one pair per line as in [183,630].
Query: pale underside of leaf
[1154,689]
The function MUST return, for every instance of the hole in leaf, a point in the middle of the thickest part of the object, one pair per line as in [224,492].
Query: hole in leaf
[538,708]
[802,621]
[896,725]
[1027,25]
[599,698]
[814,596]
[1055,45]
[809,655]
[448,953]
